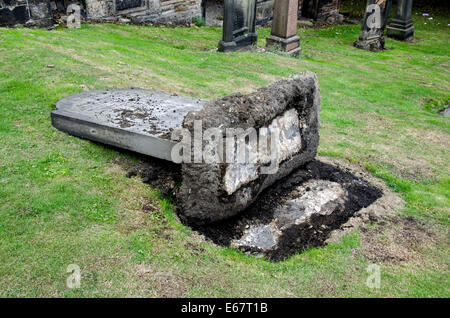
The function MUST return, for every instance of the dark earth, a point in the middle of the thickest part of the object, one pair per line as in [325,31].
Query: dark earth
[361,194]
[167,176]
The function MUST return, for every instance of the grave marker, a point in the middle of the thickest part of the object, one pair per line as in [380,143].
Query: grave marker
[284,27]
[239,25]
[401,27]
[372,31]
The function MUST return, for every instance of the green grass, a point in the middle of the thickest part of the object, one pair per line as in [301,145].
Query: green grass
[64,200]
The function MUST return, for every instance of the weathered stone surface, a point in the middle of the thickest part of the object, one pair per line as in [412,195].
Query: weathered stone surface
[213,12]
[207,194]
[284,27]
[323,200]
[23,12]
[239,174]
[445,112]
[264,11]
[374,23]
[321,10]
[134,119]
[145,11]
[13,16]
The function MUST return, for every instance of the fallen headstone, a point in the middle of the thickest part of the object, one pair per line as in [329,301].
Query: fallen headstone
[230,149]
[134,119]
[215,191]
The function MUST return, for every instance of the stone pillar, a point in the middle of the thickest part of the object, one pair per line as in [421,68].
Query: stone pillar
[401,27]
[284,27]
[374,23]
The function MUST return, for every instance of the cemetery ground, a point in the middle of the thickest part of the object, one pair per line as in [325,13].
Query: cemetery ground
[64,200]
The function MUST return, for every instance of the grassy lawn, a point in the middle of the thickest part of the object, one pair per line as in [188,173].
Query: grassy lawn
[64,200]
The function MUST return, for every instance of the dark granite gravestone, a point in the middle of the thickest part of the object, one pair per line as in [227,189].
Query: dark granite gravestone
[17,15]
[239,25]
[401,27]
[372,31]
[284,27]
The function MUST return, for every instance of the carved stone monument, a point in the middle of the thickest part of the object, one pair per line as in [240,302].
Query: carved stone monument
[372,31]
[401,27]
[284,27]
[239,25]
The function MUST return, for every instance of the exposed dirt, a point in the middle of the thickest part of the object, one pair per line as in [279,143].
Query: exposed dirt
[125,117]
[401,239]
[383,209]
[161,174]
[377,204]
[361,194]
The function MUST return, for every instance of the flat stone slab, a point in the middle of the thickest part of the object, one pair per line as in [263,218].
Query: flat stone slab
[135,119]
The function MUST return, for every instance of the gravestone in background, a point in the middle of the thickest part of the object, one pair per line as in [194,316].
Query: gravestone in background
[401,27]
[372,31]
[239,25]
[284,27]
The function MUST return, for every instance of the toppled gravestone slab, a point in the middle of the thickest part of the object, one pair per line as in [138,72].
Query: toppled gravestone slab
[298,212]
[283,117]
[215,191]
[134,119]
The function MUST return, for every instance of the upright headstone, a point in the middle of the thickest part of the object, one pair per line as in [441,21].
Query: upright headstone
[372,31]
[239,25]
[284,27]
[74,16]
[401,27]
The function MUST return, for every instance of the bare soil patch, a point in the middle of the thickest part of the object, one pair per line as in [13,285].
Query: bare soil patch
[374,203]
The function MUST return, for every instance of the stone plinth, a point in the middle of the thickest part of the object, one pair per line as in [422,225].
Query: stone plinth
[284,27]
[401,27]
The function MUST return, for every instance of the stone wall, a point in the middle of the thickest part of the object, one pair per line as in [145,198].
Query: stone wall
[39,12]
[23,12]
[321,10]
[213,12]
[99,8]
[146,11]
